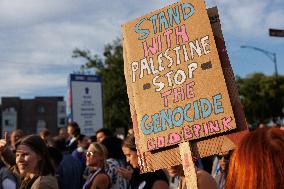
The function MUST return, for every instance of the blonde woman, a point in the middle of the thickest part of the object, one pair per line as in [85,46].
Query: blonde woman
[95,158]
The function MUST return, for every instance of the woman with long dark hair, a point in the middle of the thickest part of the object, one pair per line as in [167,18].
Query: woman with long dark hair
[33,164]
[154,180]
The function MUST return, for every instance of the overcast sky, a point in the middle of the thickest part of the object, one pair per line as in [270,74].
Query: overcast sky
[37,37]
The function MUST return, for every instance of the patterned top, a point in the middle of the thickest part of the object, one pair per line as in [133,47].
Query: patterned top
[117,181]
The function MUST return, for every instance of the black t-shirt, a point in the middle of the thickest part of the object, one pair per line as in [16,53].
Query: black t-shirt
[146,180]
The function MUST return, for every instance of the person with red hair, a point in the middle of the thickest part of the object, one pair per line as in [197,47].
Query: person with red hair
[258,161]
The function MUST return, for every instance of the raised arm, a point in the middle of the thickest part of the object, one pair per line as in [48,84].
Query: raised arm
[6,154]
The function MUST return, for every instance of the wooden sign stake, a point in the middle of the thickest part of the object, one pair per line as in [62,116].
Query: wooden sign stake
[188,165]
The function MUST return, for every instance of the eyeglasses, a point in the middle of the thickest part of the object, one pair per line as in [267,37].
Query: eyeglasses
[90,154]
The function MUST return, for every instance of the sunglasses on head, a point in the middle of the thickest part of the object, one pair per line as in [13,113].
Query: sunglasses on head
[90,154]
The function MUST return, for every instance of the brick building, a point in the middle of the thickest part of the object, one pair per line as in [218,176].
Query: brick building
[32,115]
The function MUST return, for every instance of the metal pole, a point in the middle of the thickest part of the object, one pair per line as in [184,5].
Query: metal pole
[275,65]
[270,55]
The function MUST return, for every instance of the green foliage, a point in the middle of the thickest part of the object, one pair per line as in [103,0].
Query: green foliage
[110,68]
[262,97]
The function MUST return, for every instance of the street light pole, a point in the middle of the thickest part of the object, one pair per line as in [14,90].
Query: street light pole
[270,55]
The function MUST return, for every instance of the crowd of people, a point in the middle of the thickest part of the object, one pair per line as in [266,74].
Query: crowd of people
[72,160]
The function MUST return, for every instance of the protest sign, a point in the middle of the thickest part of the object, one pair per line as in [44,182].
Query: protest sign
[176,86]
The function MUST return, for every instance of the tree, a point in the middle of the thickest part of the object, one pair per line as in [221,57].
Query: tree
[110,68]
[262,97]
